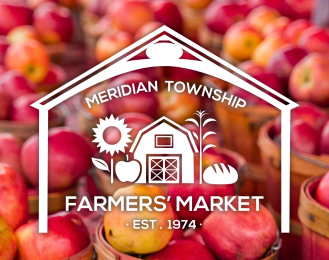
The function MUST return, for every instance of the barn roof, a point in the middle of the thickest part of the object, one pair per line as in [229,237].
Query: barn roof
[155,124]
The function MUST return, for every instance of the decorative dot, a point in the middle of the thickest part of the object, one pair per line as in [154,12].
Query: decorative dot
[201,224]
[127,224]
[160,227]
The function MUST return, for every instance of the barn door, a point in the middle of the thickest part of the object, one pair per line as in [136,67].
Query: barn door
[163,169]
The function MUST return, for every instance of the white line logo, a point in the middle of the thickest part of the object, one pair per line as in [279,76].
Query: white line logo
[163,152]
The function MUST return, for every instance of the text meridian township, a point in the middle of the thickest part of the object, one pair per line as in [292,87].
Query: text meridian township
[178,86]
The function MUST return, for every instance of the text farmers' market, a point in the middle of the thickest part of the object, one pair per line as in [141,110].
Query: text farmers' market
[140,203]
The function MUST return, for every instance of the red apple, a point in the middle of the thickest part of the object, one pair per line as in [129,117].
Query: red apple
[30,57]
[111,43]
[240,41]
[13,197]
[13,15]
[22,33]
[194,234]
[263,75]
[321,194]
[63,143]
[182,249]
[10,151]
[56,76]
[261,16]
[304,137]
[295,29]
[309,80]
[5,104]
[267,48]
[284,60]
[3,48]
[277,25]
[15,84]
[219,16]
[144,241]
[167,13]
[143,102]
[130,15]
[315,39]
[300,8]
[67,235]
[307,112]
[8,243]
[239,234]
[22,110]
[324,143]
[196,190]
[53,23]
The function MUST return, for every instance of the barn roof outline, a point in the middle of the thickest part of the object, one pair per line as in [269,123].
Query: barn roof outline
[158,122]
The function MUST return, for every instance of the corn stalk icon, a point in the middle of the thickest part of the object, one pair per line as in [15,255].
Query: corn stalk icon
[202,136]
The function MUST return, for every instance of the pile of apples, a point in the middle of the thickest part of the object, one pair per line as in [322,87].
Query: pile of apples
[21,239]
[217,234]
[309,129]
[26,70]
[276,44]
[63,143]
[19,177]
[17,93]
[123,22]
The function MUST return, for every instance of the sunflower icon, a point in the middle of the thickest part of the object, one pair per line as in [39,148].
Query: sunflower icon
[119,125]
[110,148]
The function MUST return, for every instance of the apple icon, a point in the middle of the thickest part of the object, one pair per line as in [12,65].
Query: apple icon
[128,171]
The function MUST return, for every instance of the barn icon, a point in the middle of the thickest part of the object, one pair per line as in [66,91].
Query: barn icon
[166,153]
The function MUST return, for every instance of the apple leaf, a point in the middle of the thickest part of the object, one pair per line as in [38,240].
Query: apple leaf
[208,120]
[193,120]
[208,133]
[208,146]
[100,164]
